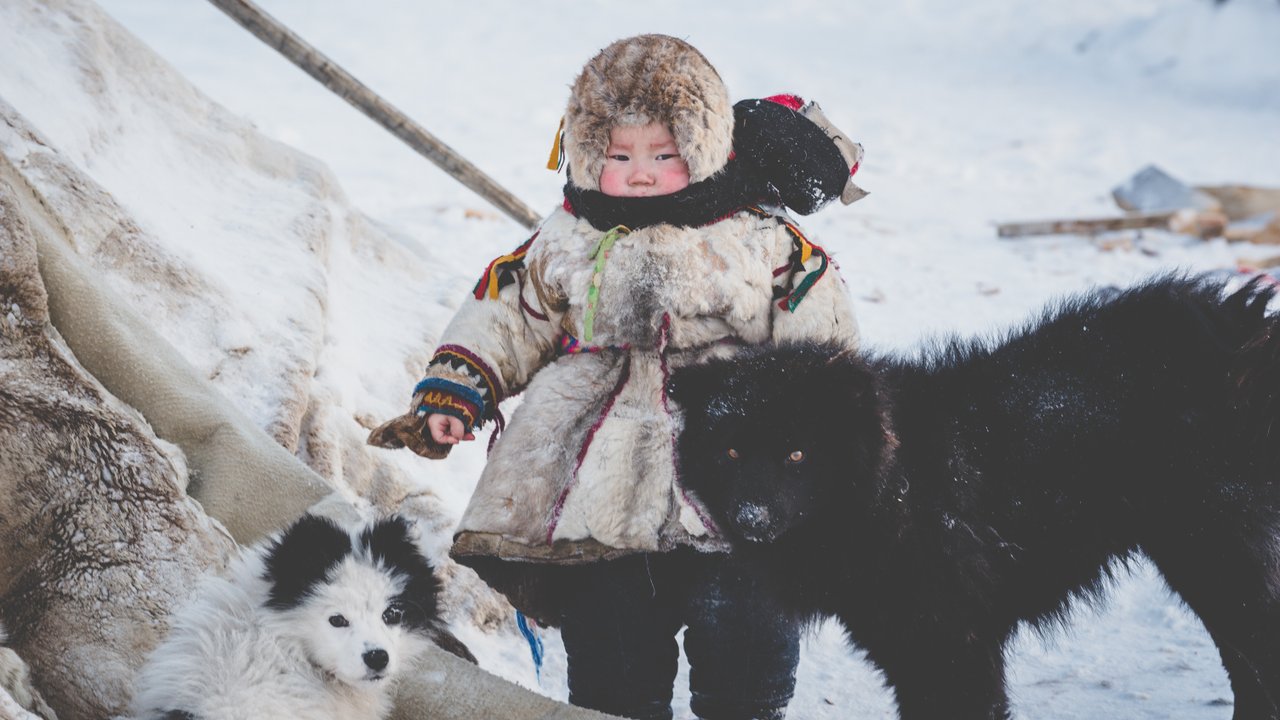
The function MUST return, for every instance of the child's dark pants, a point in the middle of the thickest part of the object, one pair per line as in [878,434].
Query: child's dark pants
[619,626]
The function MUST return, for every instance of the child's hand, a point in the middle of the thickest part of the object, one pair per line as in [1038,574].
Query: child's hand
[447,429]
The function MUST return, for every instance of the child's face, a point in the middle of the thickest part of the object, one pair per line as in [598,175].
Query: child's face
[642,160]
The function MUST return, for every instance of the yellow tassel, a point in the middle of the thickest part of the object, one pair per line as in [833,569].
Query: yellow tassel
[806,249]
[493,273]
[553,162]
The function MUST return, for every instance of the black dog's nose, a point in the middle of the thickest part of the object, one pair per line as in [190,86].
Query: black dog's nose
[376,659]
[755,523]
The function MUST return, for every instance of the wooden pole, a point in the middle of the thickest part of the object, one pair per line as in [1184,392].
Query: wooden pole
[1084,226]
[300,53]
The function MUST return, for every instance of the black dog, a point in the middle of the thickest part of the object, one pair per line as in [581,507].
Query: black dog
[932,505]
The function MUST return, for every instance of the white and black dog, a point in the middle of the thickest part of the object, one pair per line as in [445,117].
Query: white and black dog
[313,624]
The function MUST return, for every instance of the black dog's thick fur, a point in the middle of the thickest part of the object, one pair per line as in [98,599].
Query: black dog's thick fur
[933,505]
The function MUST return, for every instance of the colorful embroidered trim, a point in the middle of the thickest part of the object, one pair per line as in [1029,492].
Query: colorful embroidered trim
[805,250]
[599,253]
[450,398]
[498,274]
[570,345]
[460,358]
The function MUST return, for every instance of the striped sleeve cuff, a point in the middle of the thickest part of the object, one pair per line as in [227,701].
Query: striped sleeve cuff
[450,398]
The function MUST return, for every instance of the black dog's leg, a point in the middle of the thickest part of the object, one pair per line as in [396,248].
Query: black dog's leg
[948,680]
[1252,701]
[1251,662]
[1227,585]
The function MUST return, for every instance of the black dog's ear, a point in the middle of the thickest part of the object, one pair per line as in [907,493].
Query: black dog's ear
[853,387]
[301,558]
[389,542]
[849,377]
[865,410]
[691,386]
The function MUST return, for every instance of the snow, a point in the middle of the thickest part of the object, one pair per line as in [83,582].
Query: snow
[970,113]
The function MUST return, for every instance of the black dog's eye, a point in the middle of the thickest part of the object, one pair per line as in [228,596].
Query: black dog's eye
[733,454]
[796,456]
[392,615]
[338,621]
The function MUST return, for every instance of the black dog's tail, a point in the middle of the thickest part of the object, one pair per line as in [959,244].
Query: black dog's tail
[1255,374]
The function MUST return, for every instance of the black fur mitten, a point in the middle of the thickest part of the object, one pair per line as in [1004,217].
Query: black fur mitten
[806,158]
[409,430]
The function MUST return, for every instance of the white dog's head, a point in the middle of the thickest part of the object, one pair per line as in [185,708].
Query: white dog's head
[360,605]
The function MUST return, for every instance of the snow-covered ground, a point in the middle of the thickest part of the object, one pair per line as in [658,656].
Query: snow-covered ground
[970,113]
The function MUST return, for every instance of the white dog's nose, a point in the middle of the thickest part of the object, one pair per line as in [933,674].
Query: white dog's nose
[376,659]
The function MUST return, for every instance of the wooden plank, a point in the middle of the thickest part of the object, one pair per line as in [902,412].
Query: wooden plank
[331,75]
[1244,201]
[1084,226]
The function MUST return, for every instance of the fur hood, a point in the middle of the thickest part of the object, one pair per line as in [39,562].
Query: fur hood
[644,79]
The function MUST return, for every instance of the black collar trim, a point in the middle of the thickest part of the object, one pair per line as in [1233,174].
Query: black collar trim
[702,203]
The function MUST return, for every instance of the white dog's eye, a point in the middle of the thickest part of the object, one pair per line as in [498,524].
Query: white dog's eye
[392,615]
[338,621]
[795,456]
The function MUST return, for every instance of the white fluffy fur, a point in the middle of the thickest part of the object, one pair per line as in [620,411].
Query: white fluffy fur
[229,657]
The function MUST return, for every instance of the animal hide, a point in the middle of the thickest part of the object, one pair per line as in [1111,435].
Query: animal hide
[101,542]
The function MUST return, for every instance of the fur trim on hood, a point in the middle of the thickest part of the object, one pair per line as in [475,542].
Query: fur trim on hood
[644,79]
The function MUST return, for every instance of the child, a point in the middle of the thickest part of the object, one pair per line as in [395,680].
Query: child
[670,249]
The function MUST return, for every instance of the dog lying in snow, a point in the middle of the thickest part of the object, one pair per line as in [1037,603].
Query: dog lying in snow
[932,505]
[312,625]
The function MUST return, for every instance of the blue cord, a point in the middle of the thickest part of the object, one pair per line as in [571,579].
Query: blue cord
[535,642]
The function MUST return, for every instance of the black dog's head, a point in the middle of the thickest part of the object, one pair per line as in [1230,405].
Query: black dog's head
[780,436]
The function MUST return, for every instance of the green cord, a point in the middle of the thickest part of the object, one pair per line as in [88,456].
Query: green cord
[600,253]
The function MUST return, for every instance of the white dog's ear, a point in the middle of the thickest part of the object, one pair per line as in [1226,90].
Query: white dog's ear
[301,558]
